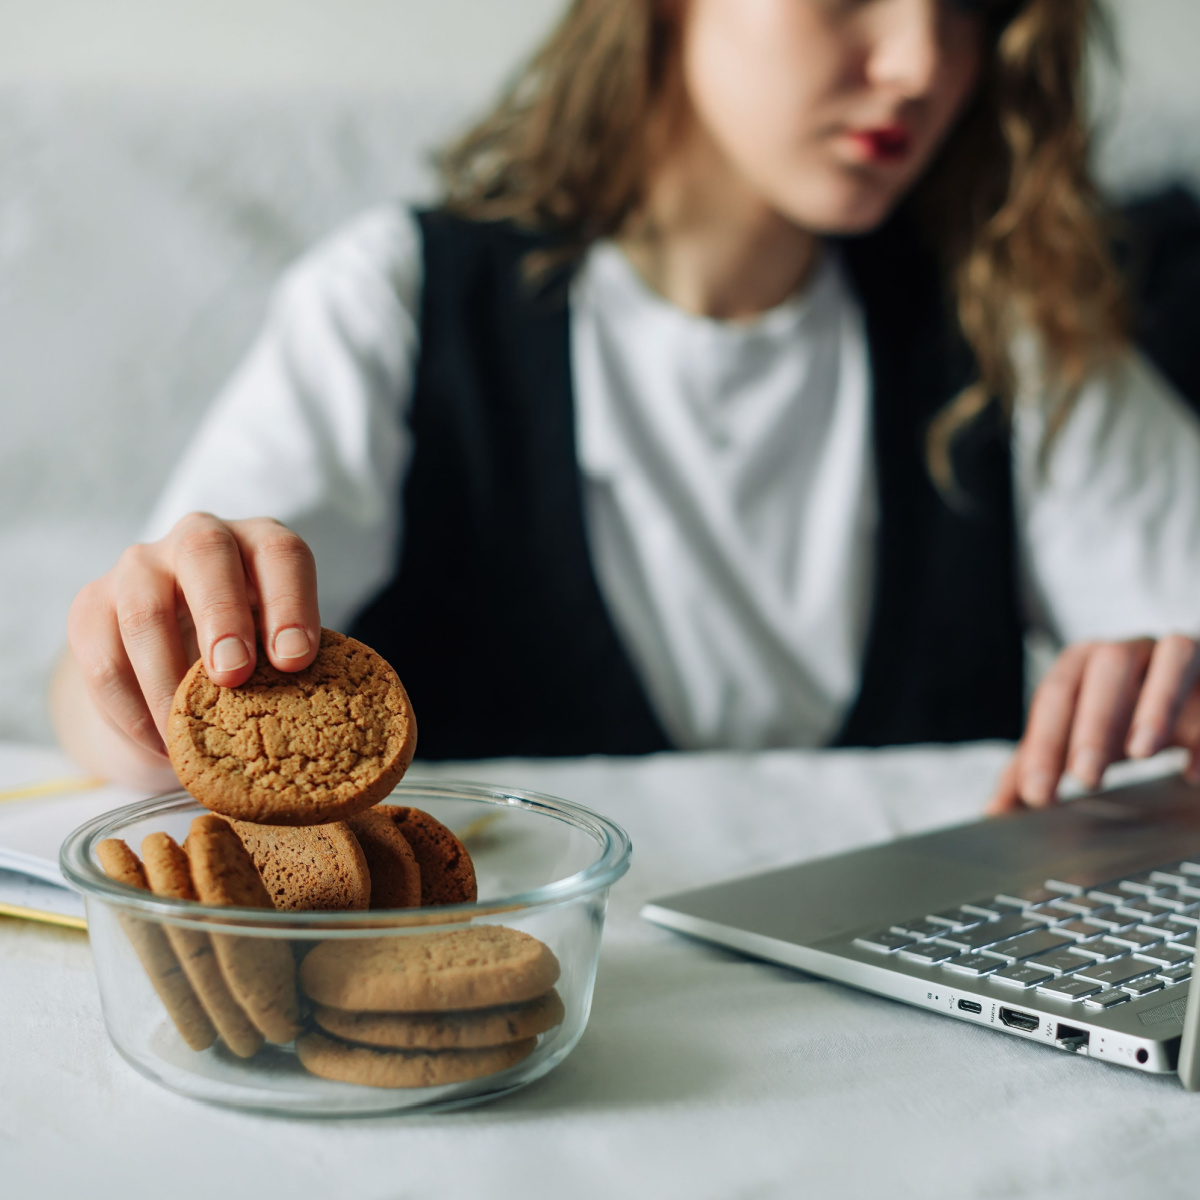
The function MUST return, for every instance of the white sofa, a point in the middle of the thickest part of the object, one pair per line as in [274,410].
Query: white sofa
[139,235]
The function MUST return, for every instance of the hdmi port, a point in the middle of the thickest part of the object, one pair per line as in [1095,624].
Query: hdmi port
[1026,1022]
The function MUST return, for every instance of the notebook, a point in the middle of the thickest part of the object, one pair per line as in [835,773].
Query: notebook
[43,798]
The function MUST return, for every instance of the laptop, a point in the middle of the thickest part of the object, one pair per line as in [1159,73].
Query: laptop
[1073,926]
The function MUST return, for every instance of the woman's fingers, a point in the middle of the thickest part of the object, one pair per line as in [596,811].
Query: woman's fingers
[209,571]
[1007,796]
[1171,676]
[284,577]
[1098,702]
[98,648]
[1042,755]
[1112,681]
[145,608]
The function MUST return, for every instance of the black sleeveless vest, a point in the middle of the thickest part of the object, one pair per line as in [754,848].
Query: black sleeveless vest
[494,619]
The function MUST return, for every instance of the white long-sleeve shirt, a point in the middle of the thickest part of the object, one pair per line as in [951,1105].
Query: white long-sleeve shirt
[729,484]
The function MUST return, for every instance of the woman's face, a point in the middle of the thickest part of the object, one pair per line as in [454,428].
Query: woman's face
[829,109]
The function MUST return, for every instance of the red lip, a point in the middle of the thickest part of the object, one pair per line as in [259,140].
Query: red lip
[890,143]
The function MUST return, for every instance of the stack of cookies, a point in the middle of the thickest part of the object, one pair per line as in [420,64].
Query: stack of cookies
[293,767]
[427,1009]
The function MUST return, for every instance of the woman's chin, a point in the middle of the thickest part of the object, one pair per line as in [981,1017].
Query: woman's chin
[843,208]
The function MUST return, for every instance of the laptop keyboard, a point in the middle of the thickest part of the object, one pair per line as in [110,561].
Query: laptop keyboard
[1097,947]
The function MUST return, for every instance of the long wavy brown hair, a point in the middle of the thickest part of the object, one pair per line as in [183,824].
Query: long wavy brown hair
[1010,199]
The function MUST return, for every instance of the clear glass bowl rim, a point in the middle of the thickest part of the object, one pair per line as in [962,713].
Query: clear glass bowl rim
[613,861]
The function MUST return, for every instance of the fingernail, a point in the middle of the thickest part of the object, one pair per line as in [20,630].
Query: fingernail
[292,643]
[1088,767]
[1039,787]
[1143,743]
[229,654]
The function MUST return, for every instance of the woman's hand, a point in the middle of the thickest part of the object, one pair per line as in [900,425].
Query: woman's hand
[133,633]
[1101,702]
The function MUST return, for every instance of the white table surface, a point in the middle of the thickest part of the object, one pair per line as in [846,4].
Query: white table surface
[701,1074]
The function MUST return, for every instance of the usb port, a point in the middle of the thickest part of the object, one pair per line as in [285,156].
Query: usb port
[1026,1022]
[970,1006]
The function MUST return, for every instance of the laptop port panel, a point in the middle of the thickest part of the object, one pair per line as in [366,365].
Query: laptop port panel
[1069,1038]
[1015,1019]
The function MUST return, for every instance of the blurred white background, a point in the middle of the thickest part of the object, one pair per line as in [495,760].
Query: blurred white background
[162,160]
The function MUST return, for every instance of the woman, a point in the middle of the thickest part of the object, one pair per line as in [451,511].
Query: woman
[692,419]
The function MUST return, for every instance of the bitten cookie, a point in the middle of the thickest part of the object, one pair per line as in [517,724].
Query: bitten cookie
[260,971]
[485,966]
[395,872]
[169,874]
[308,868]
[294,749]
[154,950]
[333,1059]
[447,873]
[445,1031]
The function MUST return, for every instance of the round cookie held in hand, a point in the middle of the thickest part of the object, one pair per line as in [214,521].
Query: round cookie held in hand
[447,872]
[302,748]
[333,1059]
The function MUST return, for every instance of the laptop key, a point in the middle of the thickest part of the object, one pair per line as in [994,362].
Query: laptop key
[1175,974]
[1140,884]
[1106,999]
[919,928]
[1080,904]
[1062,962]
[1068,989]
[1100,950]
[1031,896]
[1022,975]
[1049,914]
[888,941]
[955,918]
[1192,919]
[1154,924]
[1165,956]
[1177,930]
[977,965]
[1040,941]
[930,952]
[1061,888]
[989,932]
[1114,920]
[1138,909]
[987,908]
[1190,868]
[1169,877]
[1142,987]
[1115,974]
[1171,899]
[1135,939]
[1080,930]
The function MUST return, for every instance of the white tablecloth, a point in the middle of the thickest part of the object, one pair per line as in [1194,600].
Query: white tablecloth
[701,1074]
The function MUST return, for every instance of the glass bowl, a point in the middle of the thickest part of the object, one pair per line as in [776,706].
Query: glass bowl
[544,867]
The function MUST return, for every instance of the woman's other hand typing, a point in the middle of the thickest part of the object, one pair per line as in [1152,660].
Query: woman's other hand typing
[1099,703]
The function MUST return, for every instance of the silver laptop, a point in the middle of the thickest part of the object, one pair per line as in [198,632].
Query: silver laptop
[1074,926]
